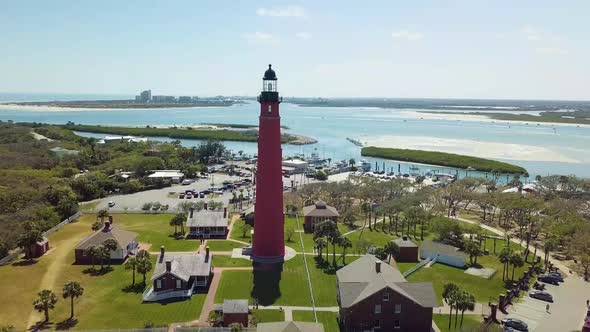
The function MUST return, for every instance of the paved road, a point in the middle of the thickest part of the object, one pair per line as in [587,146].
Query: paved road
[565,314]
[569,309]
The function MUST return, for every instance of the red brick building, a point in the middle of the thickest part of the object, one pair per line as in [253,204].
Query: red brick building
[316,213]
[234,311]
[408,250]
[374,296]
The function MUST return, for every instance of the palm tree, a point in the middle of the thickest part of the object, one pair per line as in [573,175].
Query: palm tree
[517,261]
[473,250]
[178,220]
[44,302]
[72,289]
[344,243]
[102,254]
[320,244]
[504,258]
[92,253]
[392,250]
[131,264]
[142,254]
[449,295]
[110,245]
[351,162]
[466,302]
[143,267]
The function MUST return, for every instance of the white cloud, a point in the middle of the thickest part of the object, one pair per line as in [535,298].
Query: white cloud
[407,35]
[531,33]
[303,35]
[289,11]
[259,36]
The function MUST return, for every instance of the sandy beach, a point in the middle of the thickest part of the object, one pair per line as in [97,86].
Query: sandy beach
[494,150]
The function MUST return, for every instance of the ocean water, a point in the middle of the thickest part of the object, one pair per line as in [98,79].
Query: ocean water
[542,149]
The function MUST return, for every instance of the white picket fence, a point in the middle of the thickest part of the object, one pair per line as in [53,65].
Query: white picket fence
[15,253]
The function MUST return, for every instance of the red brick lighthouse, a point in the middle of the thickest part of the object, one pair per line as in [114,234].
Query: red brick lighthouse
[268,243]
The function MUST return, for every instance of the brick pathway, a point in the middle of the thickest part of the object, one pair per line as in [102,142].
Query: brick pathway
[210,300]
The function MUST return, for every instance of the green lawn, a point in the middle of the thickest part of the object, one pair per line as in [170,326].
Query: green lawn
[223,245]
[269,316]
[236,232]
[291,288]
[328,319]
[154,229]
[105,295]
[227,261]
[470,323]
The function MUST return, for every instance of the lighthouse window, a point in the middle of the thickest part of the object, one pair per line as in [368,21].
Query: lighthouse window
[269,109]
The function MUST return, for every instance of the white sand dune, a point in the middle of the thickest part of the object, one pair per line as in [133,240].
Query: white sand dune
[493,150]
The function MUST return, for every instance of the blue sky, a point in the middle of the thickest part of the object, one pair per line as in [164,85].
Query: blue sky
[433,49]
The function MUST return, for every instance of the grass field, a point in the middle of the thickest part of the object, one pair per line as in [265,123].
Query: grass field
[484,289]
[470,323]
[269,316]
[223,245]
[104,296]
[154,229]
[227,261]
[328,319]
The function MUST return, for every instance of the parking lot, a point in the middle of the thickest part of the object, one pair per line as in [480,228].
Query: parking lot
[134,202]
[566,313]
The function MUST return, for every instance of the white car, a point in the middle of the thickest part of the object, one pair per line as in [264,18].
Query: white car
[111,203]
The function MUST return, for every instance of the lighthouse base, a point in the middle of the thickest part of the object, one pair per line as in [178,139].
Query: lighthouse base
[246,253]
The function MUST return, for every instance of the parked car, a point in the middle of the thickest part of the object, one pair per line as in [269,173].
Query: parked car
[188,196]
[111,203]
[181,195]
[202,194]
[516,324]
[556,275]
[186,182]
[541,295]
[218,191]
[549,279]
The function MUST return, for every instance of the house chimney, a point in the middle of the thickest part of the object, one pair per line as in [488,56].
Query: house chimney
[191,212]
[206,254]
[111,219]
[162,251]
[168,266]
[107,225]
[225,212]
[378,266]
[205,207]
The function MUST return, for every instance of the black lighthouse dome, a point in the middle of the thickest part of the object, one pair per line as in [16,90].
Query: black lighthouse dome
[270,74]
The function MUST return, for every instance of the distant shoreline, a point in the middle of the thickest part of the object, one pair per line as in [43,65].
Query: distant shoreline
[199,133]
[121,104]
[442,159]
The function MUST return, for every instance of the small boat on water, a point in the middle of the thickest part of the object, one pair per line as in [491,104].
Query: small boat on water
[414,170]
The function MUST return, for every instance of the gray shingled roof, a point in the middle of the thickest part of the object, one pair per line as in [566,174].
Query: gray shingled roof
[443,249]
[290,327]
[183,265]
[207,219]
[320,209]
[404,243]
[360,279]
[123,237]
[235,306]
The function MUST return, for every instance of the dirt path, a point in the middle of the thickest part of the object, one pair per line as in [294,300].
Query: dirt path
[59,255]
